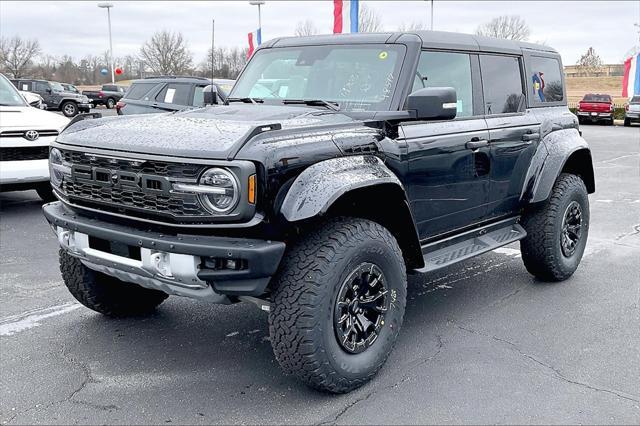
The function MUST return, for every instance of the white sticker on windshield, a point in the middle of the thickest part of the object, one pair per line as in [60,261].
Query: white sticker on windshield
[168,98]
[459,105]
[282,91]
[25,87]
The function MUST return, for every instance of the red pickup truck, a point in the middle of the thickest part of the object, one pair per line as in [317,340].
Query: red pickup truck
[594,107]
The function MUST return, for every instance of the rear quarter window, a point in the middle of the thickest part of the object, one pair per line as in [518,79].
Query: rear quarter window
[139,91]
[545,80]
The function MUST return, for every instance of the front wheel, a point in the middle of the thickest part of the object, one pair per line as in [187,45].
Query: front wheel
[69,109]
[557,231]
[338,304]
[45,192]
[105,294]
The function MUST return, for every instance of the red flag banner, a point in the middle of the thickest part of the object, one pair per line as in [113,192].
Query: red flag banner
[337,16]
[250,51]
[625,79]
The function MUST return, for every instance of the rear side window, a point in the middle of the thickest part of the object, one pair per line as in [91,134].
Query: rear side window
[502,84]
[24,85]
[175,93]
[139,91]
[546,80]
[110,88]
[198,96]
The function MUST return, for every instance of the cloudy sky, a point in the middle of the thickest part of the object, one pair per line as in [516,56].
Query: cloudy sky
[79,28]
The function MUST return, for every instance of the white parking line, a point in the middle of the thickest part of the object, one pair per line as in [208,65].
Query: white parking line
[30,319]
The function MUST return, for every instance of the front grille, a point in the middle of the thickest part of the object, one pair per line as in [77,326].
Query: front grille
[142,187]
[158,168]
[20,133]
[24,153]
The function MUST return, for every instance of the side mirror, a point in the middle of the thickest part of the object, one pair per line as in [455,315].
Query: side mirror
[433,103]
[49,90]
[211,95]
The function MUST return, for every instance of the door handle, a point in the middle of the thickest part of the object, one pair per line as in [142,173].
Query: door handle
[527,137]
[476,143]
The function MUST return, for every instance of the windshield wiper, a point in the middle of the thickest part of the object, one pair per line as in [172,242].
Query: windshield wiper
[246,100]
[333,106]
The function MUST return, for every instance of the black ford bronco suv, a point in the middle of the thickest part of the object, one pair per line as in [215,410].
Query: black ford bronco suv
[338,165]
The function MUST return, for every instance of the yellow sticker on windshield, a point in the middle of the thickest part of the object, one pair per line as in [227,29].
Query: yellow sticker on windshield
[383,55]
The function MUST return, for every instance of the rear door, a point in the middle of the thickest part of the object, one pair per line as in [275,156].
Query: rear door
[514,131]
[448,175]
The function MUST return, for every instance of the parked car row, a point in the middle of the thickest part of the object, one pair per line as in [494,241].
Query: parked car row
[595,107]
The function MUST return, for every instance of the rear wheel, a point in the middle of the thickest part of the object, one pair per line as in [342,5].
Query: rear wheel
[105,294]
[111,103]
[338,304]
[557,231]
[69,109]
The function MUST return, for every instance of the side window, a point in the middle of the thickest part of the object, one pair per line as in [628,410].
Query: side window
[25,86]
[502,84]
[39,86]
[175,93]
[139,91]
[545,80]
[198,96]
[445,69]
[109,88]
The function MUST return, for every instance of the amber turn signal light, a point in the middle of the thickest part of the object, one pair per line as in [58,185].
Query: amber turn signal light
[252,189]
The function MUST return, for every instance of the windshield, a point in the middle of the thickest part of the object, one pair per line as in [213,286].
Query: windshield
[57,87]
[597,98]
[356,77]
[635,100]
[9,95]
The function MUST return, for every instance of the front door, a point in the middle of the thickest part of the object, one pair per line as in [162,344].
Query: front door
[449,161]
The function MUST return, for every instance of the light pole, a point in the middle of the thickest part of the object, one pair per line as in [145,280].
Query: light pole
[108,6]
[431,15]
[258,3]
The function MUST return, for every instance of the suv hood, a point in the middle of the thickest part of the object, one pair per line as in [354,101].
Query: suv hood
[213,132]
[30,118]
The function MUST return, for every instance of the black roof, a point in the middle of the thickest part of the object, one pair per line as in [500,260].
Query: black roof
[433,39]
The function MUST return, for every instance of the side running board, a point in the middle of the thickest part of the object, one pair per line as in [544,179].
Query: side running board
[448,251]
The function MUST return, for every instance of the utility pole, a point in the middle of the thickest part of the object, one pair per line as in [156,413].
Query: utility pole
[259,32]
[431,15]
[108,6]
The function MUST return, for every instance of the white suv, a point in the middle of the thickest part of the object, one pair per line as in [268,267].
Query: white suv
[25,135]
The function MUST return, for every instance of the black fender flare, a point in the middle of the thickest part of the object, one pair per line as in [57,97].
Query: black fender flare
[320,185]
[559,151]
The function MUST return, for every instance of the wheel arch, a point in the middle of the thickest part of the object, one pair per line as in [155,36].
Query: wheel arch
[566,152]
[355,186]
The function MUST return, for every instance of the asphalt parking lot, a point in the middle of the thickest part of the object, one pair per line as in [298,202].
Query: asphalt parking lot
[482,342]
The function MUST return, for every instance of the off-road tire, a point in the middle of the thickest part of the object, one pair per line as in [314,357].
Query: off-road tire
[69,109]
[45,192]
[541,249]
[306,287]
[627,122]
[105,294]
[110,103]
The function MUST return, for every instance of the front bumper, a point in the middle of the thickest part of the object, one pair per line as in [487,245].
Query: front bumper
[182,264]
[633,116]
[24,172]
[84,107]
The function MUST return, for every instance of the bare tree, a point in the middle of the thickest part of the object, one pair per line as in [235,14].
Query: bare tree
[166,53]
[227,63]
[305,28]
[17,55]
[368,20]
[511,27]
[589,63]
[412,26]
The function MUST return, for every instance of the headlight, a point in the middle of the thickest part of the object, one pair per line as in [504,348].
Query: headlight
[57,167]
[220,190]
